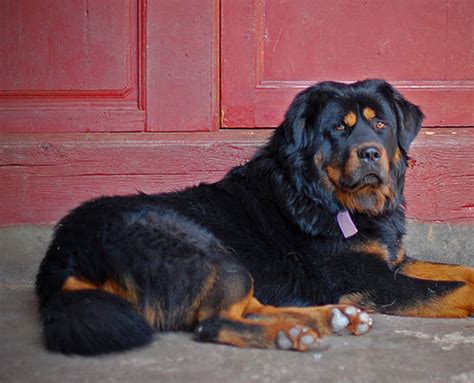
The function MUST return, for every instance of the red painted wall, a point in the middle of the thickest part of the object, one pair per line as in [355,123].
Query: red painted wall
[43,177]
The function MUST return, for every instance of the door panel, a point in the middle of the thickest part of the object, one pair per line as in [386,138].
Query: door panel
[108,65]
[424,47]
[37,48]
[70,66]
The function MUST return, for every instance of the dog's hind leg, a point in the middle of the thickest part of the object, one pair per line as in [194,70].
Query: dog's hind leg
[285,332]
[230,314]
[222,318]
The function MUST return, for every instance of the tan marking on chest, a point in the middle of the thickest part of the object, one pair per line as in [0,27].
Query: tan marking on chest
[374,248]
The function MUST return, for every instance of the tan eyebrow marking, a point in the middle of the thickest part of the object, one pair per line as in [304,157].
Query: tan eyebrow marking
[369,114]
[350,119]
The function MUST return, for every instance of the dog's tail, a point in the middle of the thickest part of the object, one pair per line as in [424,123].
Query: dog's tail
[89,322]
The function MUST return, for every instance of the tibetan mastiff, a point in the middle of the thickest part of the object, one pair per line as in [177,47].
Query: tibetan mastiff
[291,246]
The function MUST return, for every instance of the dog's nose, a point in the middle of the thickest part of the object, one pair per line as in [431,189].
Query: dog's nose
[369,154]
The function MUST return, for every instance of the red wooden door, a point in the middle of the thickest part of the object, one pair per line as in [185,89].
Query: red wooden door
[108,65]
[271,49]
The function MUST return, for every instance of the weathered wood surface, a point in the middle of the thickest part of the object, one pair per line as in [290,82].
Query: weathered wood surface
[43,176]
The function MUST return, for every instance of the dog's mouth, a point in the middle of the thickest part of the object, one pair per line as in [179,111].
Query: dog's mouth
[364,190]
[353,184]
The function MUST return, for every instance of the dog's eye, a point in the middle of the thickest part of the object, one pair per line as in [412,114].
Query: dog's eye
[340,128]
[380,125]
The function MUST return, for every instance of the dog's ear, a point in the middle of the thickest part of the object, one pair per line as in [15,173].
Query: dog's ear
[409,117]
[302,114]
[296,181]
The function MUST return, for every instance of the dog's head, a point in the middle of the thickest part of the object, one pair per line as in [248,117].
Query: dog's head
[346,144]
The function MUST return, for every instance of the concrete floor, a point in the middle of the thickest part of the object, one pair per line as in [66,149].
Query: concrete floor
[396,350]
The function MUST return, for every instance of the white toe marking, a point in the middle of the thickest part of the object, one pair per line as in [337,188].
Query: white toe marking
[351,310]
[362,328]
[283,342]
[307,339]
[294,331]
[364,317]
[338,321]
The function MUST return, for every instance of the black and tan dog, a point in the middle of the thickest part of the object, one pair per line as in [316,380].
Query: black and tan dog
[314,219]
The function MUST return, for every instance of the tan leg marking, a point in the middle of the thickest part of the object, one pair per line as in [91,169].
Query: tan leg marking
[455,304]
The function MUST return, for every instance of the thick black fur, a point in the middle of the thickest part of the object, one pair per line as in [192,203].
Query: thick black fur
[273,217]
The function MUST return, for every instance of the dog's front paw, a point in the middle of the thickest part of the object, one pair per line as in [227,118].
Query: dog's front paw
[349,318]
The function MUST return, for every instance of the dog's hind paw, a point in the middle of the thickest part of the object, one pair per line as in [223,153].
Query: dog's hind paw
[297,338]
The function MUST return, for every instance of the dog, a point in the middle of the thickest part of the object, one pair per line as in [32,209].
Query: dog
[293,245]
